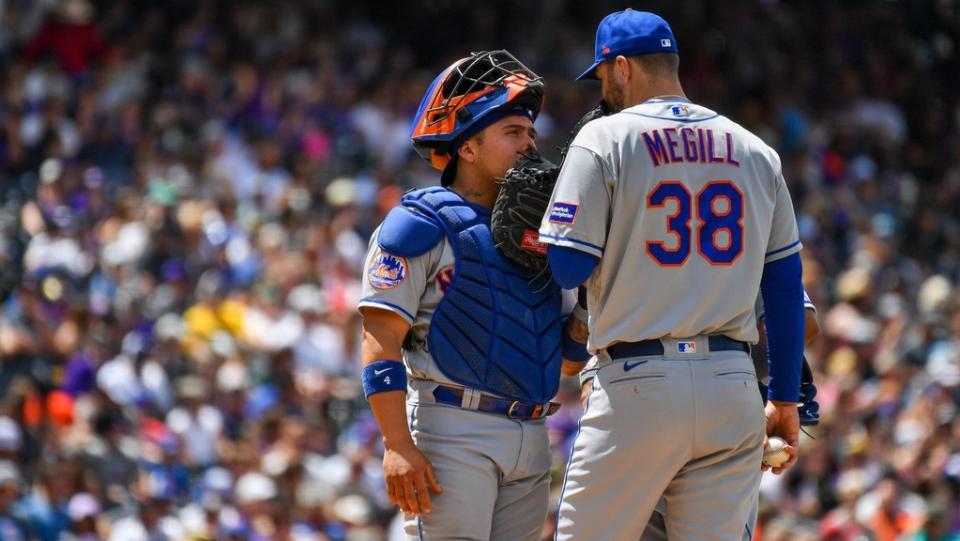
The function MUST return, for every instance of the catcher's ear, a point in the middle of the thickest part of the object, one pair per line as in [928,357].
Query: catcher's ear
[469,151]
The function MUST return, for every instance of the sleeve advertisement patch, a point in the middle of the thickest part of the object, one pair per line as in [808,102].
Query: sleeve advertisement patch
[563,213]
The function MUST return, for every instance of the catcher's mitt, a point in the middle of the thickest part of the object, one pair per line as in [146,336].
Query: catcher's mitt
[524,195]
[523,198]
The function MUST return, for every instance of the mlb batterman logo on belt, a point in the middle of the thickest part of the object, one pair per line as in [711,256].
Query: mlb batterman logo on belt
[387,271]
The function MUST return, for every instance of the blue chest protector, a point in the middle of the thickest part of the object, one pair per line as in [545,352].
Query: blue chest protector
[493,330]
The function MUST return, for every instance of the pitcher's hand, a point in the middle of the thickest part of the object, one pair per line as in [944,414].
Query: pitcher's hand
[783,420]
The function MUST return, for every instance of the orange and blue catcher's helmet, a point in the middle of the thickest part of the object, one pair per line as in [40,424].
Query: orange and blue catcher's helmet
[465,93]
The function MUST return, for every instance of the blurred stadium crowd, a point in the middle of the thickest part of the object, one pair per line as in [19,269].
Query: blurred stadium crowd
[187,189]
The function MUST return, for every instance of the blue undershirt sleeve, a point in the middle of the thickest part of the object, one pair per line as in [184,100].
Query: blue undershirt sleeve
[782,291]
[570,267]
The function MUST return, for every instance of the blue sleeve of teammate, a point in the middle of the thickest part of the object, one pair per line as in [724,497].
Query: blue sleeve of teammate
[570,267]
[782,292]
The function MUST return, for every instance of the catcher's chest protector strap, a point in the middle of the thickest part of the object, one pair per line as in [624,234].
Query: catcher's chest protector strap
[493,330]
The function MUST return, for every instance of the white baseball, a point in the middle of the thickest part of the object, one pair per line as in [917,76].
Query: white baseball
[774,455]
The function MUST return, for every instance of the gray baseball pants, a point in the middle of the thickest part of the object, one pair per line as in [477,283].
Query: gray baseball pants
[495,472]
[656,529]
[689,427]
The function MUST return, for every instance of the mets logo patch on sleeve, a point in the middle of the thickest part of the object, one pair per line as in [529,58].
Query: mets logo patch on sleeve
[444,278]
[563,213]
[387,271]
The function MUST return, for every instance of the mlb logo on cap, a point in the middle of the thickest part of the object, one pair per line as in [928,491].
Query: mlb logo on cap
[686,347]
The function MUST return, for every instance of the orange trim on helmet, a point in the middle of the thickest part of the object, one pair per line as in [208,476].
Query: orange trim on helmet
[442,117]
[439,160]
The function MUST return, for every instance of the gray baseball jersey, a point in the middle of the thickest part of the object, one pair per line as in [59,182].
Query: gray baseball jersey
[685,207]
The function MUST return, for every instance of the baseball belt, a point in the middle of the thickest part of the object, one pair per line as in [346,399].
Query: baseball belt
[513,409]
[647,348]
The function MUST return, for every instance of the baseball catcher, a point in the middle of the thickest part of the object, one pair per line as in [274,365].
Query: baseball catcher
[461,351]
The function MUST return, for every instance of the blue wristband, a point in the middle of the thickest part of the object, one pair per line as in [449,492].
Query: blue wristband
[571,349]
[383,375]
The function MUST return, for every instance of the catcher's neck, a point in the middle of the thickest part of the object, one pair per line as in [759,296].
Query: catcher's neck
[478,191]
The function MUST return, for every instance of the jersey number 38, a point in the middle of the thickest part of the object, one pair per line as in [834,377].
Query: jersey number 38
[719,229]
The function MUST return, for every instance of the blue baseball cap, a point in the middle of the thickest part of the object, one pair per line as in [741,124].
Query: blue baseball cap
[630,33]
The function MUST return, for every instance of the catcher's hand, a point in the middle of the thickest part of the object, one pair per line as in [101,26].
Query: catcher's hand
[524,195]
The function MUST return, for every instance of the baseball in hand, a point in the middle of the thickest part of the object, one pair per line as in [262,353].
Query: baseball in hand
[774,455]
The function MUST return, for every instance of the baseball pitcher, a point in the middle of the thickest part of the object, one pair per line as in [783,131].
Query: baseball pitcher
[675,217]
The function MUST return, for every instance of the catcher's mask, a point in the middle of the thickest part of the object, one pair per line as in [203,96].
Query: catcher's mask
[469,95]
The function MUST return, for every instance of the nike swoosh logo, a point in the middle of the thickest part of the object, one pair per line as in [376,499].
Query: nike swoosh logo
[628,366]
[381,371]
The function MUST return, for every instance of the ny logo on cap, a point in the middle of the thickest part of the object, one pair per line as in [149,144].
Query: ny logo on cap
[665,42]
